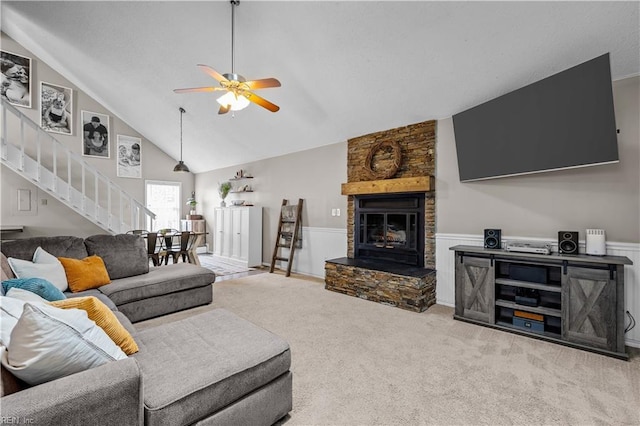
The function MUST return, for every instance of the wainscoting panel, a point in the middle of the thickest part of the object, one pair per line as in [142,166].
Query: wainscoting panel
[445,266]
[318,244]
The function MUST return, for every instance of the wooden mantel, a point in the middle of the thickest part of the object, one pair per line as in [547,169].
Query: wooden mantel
[389,186]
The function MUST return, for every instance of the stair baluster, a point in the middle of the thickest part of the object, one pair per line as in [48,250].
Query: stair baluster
[33,153]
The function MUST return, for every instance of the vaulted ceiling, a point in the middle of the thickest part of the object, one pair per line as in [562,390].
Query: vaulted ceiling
[347,68]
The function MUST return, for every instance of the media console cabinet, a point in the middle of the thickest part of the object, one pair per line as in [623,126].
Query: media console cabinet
[575,300]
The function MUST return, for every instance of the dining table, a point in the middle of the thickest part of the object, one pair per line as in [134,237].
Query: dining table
[168,240]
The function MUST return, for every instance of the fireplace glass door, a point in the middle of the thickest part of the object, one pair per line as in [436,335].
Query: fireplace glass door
[390,228]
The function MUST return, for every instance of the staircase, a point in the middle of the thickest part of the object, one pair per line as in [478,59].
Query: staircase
[38,157]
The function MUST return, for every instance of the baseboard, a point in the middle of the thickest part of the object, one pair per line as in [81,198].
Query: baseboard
[318,245]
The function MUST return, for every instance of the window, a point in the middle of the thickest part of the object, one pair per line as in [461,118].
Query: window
[163,198]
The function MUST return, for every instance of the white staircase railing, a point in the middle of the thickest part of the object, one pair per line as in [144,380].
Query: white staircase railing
[38,157]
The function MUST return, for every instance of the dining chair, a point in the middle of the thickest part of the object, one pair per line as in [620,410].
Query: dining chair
[181,250]
[153,249]
[168,247]
[187,250]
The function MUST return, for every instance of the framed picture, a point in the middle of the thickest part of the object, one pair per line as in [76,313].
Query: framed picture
[95,134]
[16,79]
[129,157]
[56,105]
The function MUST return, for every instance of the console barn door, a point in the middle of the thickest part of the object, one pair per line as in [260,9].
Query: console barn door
[475,289]
[588,302]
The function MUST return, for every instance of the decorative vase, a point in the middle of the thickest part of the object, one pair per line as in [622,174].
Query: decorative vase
[192,212]
[223,204]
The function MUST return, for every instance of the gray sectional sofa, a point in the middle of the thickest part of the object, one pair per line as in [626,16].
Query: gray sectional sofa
[136,290]
[213,368]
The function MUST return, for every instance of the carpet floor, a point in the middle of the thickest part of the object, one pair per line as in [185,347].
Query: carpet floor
[356,362]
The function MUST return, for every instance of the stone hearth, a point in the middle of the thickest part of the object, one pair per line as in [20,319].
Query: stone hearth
[403,286]
[413,289]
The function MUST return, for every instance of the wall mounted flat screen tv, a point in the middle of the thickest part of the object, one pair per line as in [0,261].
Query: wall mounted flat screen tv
[564,121]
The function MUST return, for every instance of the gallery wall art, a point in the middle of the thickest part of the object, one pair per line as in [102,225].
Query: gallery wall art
[56,106]
[129,157]
[16,79]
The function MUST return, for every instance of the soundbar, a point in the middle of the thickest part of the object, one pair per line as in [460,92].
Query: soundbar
[538,248]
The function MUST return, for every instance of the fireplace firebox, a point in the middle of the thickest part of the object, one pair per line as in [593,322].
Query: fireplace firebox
[390,228]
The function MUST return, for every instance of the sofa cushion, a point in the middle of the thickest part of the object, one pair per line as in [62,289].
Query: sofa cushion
[127,324]
[95,293]
[25,295]
[57,246]
[44,265]
[6,273]
[123,255]
[85,274]
[10,312]
[39,286]
[159,281]
[194,367]
[8,382]
[104,318]
[44,332]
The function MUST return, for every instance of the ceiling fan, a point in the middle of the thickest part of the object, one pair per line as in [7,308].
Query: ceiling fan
[239,90]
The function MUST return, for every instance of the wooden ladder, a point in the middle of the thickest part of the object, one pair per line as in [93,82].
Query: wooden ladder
[288,233]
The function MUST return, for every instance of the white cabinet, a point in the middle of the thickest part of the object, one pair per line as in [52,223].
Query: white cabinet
[238,234]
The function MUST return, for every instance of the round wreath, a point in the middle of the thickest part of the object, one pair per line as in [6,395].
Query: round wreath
[396,160]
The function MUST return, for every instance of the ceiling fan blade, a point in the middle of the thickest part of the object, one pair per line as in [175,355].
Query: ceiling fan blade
[263,83]
[224,109]
[213,73]
[198,89]
[262,102]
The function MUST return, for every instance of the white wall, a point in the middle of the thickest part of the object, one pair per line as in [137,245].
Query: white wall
[55,218]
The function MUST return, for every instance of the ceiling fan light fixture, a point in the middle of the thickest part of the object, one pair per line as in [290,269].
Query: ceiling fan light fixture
[235,102]
[240,92]
[181,167]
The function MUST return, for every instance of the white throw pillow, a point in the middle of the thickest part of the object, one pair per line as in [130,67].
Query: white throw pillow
[48,343]
[25,295]
[44,265]
[10,313]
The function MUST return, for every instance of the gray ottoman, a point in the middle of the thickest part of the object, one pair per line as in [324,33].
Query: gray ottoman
[214,368]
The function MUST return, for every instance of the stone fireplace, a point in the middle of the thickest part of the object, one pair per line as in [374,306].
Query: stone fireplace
[390,219]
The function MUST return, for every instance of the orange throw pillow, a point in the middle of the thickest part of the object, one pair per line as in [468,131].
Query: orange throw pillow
[104,318]
[85,274]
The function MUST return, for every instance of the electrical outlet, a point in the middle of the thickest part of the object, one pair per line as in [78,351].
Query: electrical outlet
[333,212]
[337,212]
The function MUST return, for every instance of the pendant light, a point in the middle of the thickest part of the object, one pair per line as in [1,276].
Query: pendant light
[181,167]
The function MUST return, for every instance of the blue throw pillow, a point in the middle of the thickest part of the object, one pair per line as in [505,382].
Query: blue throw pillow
[39,286]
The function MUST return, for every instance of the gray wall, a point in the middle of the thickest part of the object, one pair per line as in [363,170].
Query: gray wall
[314,175]
[55,218]
[539,205]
